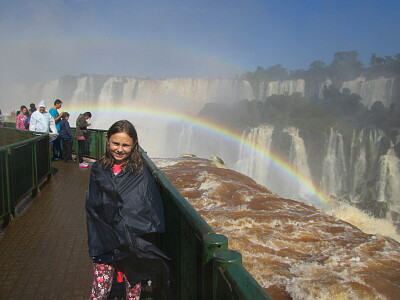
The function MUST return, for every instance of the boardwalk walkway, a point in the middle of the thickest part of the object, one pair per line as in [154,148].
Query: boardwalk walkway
[43,254]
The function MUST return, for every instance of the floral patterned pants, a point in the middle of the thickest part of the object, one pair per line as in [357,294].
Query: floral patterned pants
[102,283]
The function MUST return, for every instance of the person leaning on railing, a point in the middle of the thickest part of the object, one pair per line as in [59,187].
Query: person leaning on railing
[81,135]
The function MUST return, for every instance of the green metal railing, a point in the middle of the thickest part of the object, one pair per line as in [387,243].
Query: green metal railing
[205,267]
[24,164]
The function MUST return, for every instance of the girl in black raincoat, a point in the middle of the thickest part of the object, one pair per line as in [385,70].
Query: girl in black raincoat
[123,207]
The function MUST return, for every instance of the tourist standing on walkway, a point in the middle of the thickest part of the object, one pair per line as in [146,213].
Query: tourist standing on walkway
[66,137]
[82,135]
[41,120]
[1,119]
[32,108]
[123,208]
[57,154]
[21,118]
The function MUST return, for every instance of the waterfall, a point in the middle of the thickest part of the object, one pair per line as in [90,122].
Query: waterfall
[252,161]
[112,91]
[334,172]
[185,140]
[298,161]
[355,169]
[286,87]
[183,94]
[388,183]
[85,92]
[356,166]
[358,162]
[372,90]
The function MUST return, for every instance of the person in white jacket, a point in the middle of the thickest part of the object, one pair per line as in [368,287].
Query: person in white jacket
[42,121]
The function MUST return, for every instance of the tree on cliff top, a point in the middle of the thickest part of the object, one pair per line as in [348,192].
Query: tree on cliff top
[387,66]
[274,73]
[344,67]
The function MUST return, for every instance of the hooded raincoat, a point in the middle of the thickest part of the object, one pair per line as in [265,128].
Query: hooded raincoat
[121,209]
[42,122]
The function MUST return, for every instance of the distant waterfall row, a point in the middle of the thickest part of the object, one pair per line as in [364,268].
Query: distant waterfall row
[190,94]
[182,93]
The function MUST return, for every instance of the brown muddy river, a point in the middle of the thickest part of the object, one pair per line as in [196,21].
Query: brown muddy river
[293,250]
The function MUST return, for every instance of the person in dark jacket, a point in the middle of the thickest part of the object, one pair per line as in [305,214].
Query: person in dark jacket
[66,137]
[123,208]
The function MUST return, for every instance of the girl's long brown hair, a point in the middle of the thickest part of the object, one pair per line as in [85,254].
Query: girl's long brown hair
[134,160]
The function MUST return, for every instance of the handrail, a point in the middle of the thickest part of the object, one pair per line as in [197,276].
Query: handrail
[200,226]
[24,162]
[204,265]
[228,279]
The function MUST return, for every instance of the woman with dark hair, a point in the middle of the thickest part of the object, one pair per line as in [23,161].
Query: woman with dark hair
[81,133]
[21,118]
[124,210]
[66,137]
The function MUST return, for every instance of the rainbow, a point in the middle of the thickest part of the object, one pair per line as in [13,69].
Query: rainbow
[121,112]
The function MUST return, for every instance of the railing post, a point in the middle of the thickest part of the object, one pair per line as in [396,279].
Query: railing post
[10,182]
[212,243]
[35,169]
[7,189]
[222,260]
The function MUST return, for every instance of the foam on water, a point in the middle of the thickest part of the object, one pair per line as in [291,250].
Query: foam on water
[365,222]
[209,184]
[293,250]
[163,163]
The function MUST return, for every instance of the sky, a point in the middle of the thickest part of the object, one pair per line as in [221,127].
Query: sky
[43,40]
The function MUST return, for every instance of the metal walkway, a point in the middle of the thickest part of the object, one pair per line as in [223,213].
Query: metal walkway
[43,253]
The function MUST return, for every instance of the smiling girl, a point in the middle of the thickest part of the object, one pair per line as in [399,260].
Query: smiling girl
[123,208]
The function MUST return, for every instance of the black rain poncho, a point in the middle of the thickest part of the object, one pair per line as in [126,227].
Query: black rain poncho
[120,209]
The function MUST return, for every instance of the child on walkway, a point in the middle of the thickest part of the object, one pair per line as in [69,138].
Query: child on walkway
[123,208]
[66,137]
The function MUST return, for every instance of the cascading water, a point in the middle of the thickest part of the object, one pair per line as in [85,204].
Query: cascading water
[251,160]
[84,92]
[334,172]
[372,90]
[298,161]
[185,140]
[388,183]
[357,162]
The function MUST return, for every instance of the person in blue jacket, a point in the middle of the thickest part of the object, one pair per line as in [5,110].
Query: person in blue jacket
[123,208]
[57,146]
